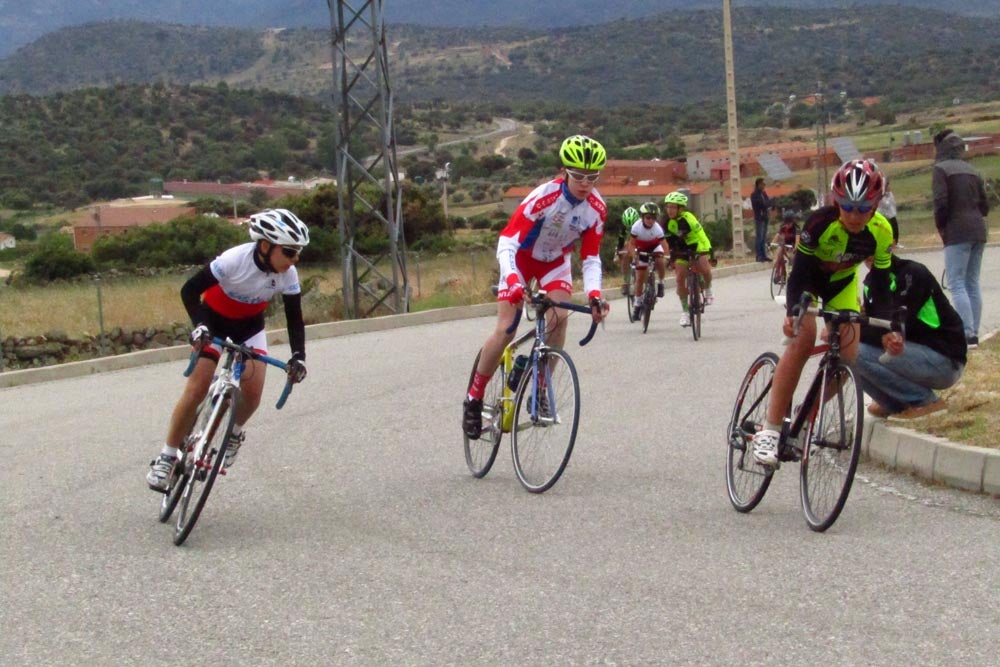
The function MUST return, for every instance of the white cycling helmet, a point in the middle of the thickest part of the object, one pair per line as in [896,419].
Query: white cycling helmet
[279,226]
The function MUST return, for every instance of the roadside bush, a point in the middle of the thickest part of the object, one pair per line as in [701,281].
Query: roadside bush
[55,258]
[182,241]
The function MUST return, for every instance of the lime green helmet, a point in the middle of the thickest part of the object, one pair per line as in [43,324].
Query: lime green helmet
[649,208]
[580,152]
[676,197]
[630,216]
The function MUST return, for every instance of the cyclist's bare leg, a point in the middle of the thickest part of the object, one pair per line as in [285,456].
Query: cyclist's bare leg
[680,280]
[789,369]
[555,320]
[779,261]
[251,388]
[705,269]
[623,260]
[182,418]
[498,340]
[660,267]
[640,280]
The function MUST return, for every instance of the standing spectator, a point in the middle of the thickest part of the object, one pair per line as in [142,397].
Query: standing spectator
[887,207]
[761,204]
[960,208]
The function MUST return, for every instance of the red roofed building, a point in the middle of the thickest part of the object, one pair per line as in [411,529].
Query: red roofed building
[120,217]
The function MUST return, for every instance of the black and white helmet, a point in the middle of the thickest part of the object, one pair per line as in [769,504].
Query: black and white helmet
[279,226]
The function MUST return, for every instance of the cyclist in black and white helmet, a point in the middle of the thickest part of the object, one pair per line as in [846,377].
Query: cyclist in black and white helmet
[227,298]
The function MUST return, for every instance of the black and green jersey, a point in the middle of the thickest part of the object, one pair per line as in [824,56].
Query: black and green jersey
[827,258]
[685,234]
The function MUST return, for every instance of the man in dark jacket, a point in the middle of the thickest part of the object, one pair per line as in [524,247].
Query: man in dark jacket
[901,372]
[960,207]
[761,205]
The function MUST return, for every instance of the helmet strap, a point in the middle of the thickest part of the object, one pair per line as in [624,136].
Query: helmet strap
[264,259]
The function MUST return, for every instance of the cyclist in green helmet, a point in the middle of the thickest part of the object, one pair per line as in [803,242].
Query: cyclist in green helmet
[629,217]
[688,242]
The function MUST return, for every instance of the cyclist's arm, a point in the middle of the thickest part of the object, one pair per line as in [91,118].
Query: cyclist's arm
[590,259]
[191,293]
[296,325]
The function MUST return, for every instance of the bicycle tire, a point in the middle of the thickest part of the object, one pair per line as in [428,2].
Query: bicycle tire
[834,448]
[648,300]
[480,454]
[631,297]
[777,283]
[202,466]
[173,494]
[541,448]
[695,304]
[746,480]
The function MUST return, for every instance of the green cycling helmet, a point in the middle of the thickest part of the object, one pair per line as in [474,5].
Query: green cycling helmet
[649,207]
[580,152]
[676,197]
[630,216]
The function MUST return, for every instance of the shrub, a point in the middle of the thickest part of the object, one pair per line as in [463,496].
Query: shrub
[55,258]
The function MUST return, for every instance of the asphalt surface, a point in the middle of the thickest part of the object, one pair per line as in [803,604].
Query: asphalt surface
[350,531]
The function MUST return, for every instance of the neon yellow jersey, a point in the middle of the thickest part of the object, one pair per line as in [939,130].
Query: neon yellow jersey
[685,230]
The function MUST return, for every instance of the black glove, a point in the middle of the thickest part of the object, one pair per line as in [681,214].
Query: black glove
[296,369]
[200,337]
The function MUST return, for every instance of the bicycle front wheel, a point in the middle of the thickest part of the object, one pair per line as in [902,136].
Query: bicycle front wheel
[630,298]
[546,416]
[747,480]
[834,447]
[480,454]
[202,465]
[695,304]
[649,298]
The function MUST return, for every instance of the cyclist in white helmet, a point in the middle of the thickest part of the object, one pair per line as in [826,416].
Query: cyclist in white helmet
[227,298]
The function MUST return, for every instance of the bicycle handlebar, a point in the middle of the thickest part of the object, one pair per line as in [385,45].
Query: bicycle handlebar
[540,299]
[896,323]
[252,354]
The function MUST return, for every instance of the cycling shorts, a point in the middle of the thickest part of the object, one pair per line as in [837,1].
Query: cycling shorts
[551,276]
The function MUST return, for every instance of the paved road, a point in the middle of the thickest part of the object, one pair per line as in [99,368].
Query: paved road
[350,532]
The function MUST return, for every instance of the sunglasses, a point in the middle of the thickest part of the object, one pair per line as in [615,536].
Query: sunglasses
[579,176]
[290,253]
[848,207]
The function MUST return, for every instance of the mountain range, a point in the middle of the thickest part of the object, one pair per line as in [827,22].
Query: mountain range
[22,22]
[928,57]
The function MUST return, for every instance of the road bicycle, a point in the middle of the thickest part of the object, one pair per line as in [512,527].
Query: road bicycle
[536,398]
[823,434]
[780,271]
[204,449]
[695,290]
[647,300]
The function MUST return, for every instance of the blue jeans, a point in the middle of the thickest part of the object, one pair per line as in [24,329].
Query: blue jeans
[962,262]
[905,380]
[760,242]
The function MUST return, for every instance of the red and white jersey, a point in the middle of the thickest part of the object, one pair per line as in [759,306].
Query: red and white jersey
[244,290]
[647,238]
[548,223]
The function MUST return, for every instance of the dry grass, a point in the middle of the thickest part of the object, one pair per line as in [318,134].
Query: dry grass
[973,416]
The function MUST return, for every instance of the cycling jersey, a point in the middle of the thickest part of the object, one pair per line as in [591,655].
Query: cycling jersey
[788,231]
[231,294]
[547,224]
[647,239]
[685,234]
[827,258]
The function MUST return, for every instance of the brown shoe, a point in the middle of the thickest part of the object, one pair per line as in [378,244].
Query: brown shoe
[918,411]
[876,410]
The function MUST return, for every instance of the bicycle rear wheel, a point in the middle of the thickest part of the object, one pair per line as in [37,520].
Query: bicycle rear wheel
[480,454]
[542,443]
[202,465]
[777,282]
[696,304]
[834,447]
[747,480]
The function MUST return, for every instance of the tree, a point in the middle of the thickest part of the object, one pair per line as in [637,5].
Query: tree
[55,258]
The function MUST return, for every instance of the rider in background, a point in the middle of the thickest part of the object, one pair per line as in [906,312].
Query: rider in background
[536,243]
[785,240]
[227,299]
[629,217]
[687,239]
[647,237]
[834,242]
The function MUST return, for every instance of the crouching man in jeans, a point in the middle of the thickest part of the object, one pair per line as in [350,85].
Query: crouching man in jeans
[900,373]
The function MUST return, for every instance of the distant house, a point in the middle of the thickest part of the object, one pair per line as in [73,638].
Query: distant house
[714,165]
[7,241]
[121,217]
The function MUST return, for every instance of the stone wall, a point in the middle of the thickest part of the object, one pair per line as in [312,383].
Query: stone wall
[56,347]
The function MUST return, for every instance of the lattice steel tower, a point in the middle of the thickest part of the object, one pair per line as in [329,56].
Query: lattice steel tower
[369,189]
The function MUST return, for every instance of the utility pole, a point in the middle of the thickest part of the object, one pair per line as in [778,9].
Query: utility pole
[735,197]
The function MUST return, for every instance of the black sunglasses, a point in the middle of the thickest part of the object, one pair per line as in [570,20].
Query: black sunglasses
[290,253]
